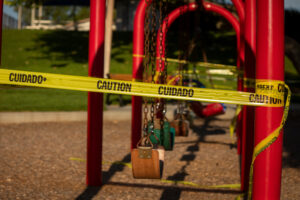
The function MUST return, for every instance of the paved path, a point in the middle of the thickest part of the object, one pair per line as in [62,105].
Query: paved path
[112,112]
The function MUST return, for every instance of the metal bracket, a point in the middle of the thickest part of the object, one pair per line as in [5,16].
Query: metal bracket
[145,152]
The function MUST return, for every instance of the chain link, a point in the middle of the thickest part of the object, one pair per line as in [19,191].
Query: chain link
[165,9]
[181,55]
[166,61]
[150,57]
[146,64]
[153,52]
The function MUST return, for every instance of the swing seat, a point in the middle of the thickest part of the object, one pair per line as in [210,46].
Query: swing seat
[212,109]
[168,136]
[147,163]
[165,137]
[156,138]
[181,127]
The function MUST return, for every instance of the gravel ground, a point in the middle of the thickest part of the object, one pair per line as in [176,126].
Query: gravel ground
[35,162]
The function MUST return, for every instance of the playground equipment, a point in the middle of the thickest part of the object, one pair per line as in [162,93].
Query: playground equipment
[197,107]
[147,158]
[181,126]
[146,161]
[269,68]
[264,24]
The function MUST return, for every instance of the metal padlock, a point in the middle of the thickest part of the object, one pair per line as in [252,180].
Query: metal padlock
[145,152]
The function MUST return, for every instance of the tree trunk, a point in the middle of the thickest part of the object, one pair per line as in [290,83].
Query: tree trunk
[19,17]
[75,22]
[108,36]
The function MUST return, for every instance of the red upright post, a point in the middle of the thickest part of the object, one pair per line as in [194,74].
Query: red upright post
[137,71]
[269,66]
[1,14]
[95,100]
[248,111]
[240,7]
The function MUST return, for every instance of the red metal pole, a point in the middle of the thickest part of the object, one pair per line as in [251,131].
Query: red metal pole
[1,14]
[248,111]
[269,66]
[239,5]
[137,71]
[95,100]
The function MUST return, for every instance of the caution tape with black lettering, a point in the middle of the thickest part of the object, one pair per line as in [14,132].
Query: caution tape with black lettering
[47,80]
[206,65]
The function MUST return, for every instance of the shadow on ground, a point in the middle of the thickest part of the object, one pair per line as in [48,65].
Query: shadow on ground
[169,192]
[291,138]
[91,191]
[201,131]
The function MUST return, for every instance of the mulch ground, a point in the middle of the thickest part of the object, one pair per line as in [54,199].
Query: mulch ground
[36,163]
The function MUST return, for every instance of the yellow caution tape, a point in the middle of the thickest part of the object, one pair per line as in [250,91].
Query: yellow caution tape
[104,162]
[205,71]
[240,197]
[201,64]
[91,84]
[271,138]
[174,80]
[77,159]
[232,186]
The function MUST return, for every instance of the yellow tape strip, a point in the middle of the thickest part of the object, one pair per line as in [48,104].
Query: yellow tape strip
[104,162]
[222,72]
[201,64]
[232,186]
[91,84]
[271,138]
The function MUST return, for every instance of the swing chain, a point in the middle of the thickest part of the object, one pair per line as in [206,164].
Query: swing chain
[153,53]
[147,42]
[165,71]
[160,41]
[146,65]
[145,125]
[165,9]
[153,40]
[152,112]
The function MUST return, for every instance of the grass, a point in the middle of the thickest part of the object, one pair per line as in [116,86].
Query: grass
[29,99]
[47,51]
[61,52]
[66,52]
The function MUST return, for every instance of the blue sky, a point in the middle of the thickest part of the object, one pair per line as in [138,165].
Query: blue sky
[288,4]
[292,4]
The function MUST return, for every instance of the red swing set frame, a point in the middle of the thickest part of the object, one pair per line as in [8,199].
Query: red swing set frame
[261,45]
